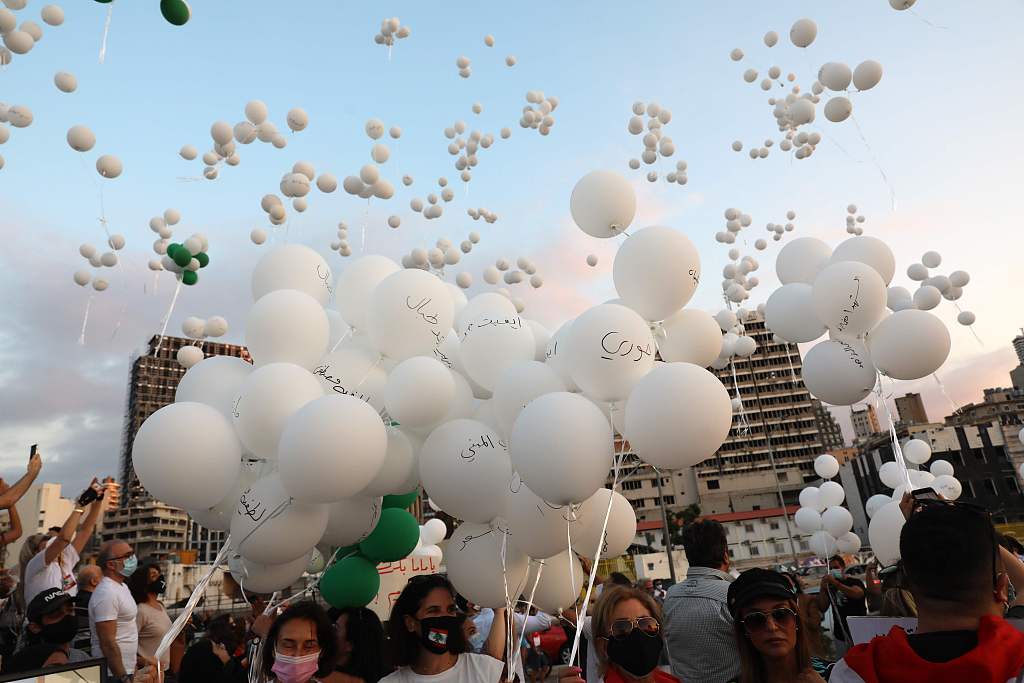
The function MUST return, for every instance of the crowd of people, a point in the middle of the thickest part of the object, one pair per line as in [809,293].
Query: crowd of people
[957,577]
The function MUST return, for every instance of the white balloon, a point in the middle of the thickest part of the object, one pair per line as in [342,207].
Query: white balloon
[803,32]
[585,532]
[691,336]
[835,76]
[771,38]
[81,139]
[891,474]
[353,371]
[556,466]
[258,577]
[271,528]
[807,519]
[917,452]
[557,355]
[433,531]
[188,356]
[65,82]
[541,337]
[830,494]
[293,266]
[419,392]
[561,580]
[826,466]
[874,503]
[330,449]
[801,260]
[848,543]
[927,297]
[610,348]
[351,520]
[410,314]
[869,250]
[677,416]
[656,271]
[788,313]
[838,109]
[809,498]
[823,544]
[884,533]
[603,204]
[474,561]
[965,318]
[465,467]
[267,398]
[519,384]
[849,297]
[839,372]
[187,455]
[538,527]
[399,473]
[837,520]
[867,74]
[297,119]
[940,467]
[909,344]
[947,486]
[357,282]
[287,326]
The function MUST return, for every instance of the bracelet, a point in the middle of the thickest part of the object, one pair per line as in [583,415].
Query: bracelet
[80,511]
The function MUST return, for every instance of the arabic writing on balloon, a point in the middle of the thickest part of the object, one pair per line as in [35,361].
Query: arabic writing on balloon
[854,296]
[253,509]
[623,348]
[695,276]
[325,278]
[551,351]
[234,407]
[438,353]
[486,441]
[512,323]
[335,382]
[852,354]
[419,307]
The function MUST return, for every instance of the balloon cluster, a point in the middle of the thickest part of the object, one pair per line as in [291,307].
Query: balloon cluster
[20,39]
[161,225]
[655,143]
[18,115]
[822,514]
[465,150]
[434,210]
[391,30]
[738,282]
[199,329]
[502,270]
[854,220]
[477,214]
[735,220]
[341,244]
[537,114]
[369,182]
[186,258]
[837,76]
[932,289]
[107,259]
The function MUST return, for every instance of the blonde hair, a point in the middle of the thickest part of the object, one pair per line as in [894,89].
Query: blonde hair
[605,607]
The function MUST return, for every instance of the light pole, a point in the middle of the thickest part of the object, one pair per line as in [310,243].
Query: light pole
[664,526]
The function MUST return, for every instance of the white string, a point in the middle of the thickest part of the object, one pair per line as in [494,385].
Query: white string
[106,30]
[348,333]
[942,388]
[874,160]
[256,658]
[526,615]
[85,320]
[167,318]
[969,327]
[897,451]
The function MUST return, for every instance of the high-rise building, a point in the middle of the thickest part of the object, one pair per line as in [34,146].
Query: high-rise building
[150,526]
[1017,374]
[774,438]
[40,508]
[911,409]
[865,421]
[831,433]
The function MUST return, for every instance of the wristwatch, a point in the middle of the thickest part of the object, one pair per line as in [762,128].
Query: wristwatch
[127,678]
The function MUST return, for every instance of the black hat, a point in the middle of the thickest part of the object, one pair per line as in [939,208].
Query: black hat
[47,602]
[758,583]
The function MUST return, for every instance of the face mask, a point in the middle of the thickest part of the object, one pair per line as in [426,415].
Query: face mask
[439,634]
[159,586]
[61,632]
[837,573]
[295,669]
[130,565]
[637,653]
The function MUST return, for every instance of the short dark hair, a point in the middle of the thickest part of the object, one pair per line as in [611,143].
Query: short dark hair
[839,559]
[224,629]
[619,579]
[705,543]
[138,582]
[963,571]
[306,610]
[54,528]
[366,634]
[405,646]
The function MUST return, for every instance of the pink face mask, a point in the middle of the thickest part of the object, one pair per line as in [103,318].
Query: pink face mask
[295,669]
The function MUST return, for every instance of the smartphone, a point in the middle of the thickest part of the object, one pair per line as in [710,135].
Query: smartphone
[32,451]
[926,493]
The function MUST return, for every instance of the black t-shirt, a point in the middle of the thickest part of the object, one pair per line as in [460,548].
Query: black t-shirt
[942,646]
[847,606]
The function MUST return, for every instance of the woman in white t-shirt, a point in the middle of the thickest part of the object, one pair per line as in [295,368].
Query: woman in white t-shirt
[428,641]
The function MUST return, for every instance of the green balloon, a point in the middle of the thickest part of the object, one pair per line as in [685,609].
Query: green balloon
[402,500]
[176,12]
[173,247]
[394,537]
[190,277]
[352,582]
[203,258]
[182,257]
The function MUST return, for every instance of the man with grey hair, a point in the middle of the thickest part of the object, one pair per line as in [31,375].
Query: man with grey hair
[112,611]
[89,576]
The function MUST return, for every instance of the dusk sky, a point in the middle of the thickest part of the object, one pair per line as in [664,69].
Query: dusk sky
[943,126]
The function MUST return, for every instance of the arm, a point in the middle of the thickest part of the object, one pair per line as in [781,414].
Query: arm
[14,533]
[1015,572]
[852,592]
[495,643]
[84,532]
[106,631]
[538,622]
[822,597]
[64,537]
[12,495]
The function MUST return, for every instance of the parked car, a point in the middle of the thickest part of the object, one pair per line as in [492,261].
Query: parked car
[555,644]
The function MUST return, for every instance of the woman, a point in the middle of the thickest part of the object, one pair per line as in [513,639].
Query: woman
[770,633]
[427,638]
[810,617]
[29,549]
[216,657]
[627,638]
[147,584]
[300,646]
[361,657]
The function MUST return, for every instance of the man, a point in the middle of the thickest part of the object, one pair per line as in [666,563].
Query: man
[952,566]
[847,597]
[89,577]
[51,620]
[53,531]
[54,566]
[112,611]
[698,626]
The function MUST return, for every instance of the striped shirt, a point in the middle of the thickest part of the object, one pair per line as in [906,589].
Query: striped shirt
[699,629]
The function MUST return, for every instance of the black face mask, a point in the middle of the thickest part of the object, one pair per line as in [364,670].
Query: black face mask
[61,632]
[637,653]
[159,586]
[442,634]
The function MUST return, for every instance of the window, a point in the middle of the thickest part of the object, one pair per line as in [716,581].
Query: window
[754,551]
[1011,484]
[783,476]
[713,485]
[804,545]
[779,548]
[650,566]
[632,485]
[774,525]
[730,553]
[669,500]
[990,486]
[637,502]
[749,528]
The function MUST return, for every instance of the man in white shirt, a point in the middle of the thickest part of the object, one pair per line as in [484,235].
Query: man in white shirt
[54,566]
[112,611]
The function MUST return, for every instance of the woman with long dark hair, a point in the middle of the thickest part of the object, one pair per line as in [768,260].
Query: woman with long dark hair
[147,584]
[361,654]
[770,633]
[426,636]
[300,646]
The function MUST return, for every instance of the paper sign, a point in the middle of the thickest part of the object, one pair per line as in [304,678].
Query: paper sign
[394,576]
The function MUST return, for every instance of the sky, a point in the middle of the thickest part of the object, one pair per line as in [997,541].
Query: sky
[942,127]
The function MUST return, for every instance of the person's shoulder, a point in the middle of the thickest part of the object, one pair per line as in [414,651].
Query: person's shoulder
[483,666]
[853,581]
[397,676]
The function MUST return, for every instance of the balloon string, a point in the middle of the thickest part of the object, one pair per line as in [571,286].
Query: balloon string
[106,30]
[85,320]
[874,160]
[920,18]
[743,411]
[942,388]
[348,333]
[167,319]
[897,451]
[969,327]
[526,614]
[366,219]
[508,600]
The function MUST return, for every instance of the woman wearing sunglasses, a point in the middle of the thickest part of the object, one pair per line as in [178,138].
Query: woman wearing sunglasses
[770,634]
[627,637]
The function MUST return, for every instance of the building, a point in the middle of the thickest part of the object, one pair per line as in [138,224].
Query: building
[1000,409]
[40,508]
[111,494]
[775,435]
[638,483]
[831,433]
[865,421]
[150,526]
[1017,374]
[911,410]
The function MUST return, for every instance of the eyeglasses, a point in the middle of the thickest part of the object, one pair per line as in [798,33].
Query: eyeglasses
[621,628]
[758,621]
[123,557]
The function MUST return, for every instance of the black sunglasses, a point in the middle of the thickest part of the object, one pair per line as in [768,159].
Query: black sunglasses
[758,621]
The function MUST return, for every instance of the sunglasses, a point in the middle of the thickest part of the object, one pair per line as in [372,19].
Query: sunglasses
[758,621]
[621,628]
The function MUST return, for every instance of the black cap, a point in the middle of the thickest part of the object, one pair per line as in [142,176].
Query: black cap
[47,602]
[758,583]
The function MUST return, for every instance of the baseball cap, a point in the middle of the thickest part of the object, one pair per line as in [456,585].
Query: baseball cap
[758,583]
[47,602]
